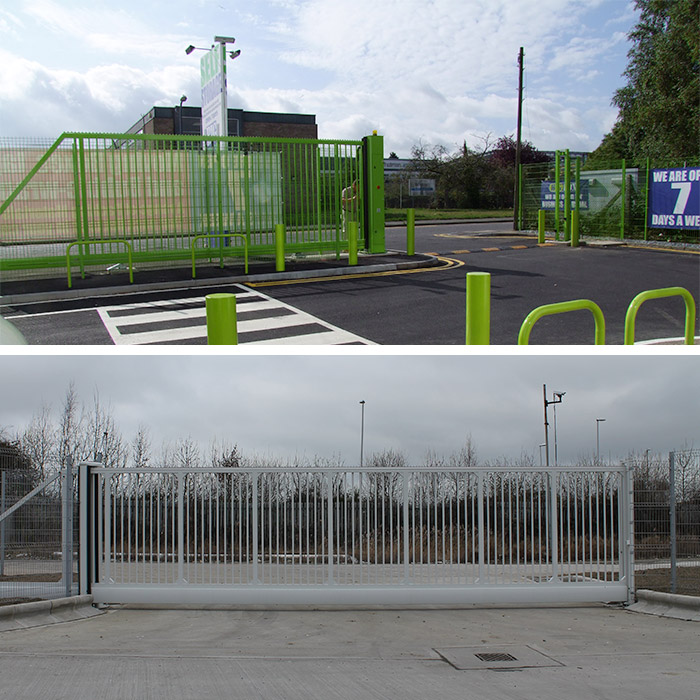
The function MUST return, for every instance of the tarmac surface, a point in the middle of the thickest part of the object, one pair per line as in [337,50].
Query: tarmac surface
[545,652]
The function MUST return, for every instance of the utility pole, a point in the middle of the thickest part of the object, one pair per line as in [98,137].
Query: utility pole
[516,195]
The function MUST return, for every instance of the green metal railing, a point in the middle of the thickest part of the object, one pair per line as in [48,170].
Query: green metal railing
[161,194]
[561,308]
[631,316]
[478,312]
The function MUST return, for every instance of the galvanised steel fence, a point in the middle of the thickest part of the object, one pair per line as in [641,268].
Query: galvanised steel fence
[37,537]
[612,198]
[97,200]
[667,523]
[356,536]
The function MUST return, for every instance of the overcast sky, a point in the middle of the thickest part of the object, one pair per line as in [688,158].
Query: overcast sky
[308,405]
[430,71]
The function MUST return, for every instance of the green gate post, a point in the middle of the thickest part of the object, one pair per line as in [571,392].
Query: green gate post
[279,247]
[374,193]
[411,231]
[478,308]
[352,243]
[574,228]
[540,225]
[221,319]
[567,195]
[557,187]
[623,196]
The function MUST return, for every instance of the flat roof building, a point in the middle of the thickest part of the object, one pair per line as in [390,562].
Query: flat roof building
[188,121]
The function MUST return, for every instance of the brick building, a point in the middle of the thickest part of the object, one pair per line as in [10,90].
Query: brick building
[187,120]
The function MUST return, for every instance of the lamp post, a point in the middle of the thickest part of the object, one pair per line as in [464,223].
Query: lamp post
[179,114]
[558,395]
[598,421]
[541,460]
[214,86]
[362,436]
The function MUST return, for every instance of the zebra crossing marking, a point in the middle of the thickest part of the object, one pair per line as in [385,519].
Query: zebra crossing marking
[262,320]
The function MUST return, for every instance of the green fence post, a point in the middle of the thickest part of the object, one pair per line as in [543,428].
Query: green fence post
[557,188]
[279,247]
[352,242]
[574,228]
[567,195]
[374,193]
[221,319]
[623,195]
[646,202]
[540,225]
[478,308]
[411,231]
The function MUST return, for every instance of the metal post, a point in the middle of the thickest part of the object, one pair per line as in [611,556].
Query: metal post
[67,527]
[546,426]
[567,195]
[352,243]
[221,319]
[279,247]
[557,188]
[672,513]
[3,501]
[362,436]
[540,225]
[623,196]
[478,324]
[411,231]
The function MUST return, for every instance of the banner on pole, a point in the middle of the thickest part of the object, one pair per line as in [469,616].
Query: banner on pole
[674,198]
[213,80]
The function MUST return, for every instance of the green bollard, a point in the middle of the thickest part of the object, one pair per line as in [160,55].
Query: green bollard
[478,308]
[221,319]
[411,231]
[279,247]
[574,229]
[352,242]
[540,226]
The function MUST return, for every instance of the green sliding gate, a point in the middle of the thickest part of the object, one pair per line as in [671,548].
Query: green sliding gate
[167,199]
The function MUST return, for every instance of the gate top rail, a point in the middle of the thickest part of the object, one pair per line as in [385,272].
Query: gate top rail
[587,469]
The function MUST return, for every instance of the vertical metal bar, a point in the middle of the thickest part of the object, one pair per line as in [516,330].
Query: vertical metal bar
[672,515]
[557,195]
[83,502]
[67,528]
[180,479]
[3,507]
[623,197]
[329,503]
[554,527]
[480,517]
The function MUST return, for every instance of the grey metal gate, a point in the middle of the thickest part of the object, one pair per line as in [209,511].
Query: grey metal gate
[356,536]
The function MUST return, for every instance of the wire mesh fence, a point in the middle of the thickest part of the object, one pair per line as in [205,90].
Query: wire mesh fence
[611,199]
[32,532]
[667,523]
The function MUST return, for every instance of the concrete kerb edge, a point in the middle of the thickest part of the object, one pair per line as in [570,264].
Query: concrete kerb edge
[683,607]
[45,612]
[68,294]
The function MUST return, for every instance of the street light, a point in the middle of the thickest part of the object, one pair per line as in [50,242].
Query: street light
[558,395]
[362,436]
[598,421]
[214,87]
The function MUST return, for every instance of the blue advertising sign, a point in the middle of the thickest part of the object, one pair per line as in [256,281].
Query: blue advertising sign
[674,198]
[547,198]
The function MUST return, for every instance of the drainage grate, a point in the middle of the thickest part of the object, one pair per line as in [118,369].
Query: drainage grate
[495,656]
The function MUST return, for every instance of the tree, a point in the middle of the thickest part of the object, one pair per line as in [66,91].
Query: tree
[659,107]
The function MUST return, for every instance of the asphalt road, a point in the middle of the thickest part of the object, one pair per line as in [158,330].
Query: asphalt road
[415,307]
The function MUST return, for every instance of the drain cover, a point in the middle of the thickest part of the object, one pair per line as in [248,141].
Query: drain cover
[492,657]
[495,656]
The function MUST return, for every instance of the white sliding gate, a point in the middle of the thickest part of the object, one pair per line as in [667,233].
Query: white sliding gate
[356,536]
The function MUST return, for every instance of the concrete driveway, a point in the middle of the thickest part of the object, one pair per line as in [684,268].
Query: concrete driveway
[543,652]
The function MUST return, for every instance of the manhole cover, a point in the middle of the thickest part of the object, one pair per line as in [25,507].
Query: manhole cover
[493,657]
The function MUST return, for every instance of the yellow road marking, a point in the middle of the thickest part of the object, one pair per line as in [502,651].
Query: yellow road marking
[449,263]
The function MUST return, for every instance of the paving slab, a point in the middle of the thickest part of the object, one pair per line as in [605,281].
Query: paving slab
[588,651]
